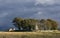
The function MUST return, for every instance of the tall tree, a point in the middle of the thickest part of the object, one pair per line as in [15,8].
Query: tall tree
[48,25]
[53,23]
[17,22]
[43,24]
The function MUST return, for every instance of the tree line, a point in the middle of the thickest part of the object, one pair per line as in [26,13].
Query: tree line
[29,24]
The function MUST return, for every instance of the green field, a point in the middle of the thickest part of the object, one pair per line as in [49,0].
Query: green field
[29,34]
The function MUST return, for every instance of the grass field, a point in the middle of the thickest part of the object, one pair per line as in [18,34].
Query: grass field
[29,34]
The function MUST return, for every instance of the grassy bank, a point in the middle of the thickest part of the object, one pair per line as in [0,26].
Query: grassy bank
[29,35]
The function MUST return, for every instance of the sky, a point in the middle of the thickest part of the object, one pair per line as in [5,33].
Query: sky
[39,9]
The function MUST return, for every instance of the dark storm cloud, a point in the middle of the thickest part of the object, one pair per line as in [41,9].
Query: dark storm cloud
[28,8]
[12,8]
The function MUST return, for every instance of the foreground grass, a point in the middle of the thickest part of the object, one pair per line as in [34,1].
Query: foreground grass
[29,35]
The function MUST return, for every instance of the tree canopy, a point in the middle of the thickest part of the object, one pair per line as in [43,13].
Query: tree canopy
[29,24]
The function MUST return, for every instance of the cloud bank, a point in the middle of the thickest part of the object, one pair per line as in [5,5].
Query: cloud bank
[28,9]
[47,2]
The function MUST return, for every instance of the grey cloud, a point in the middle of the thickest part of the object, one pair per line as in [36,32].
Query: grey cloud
[26,9]
[47,2]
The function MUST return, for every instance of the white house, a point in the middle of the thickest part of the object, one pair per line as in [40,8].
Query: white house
[11,29]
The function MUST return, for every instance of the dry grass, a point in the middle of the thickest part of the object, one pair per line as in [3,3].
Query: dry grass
[29,35]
